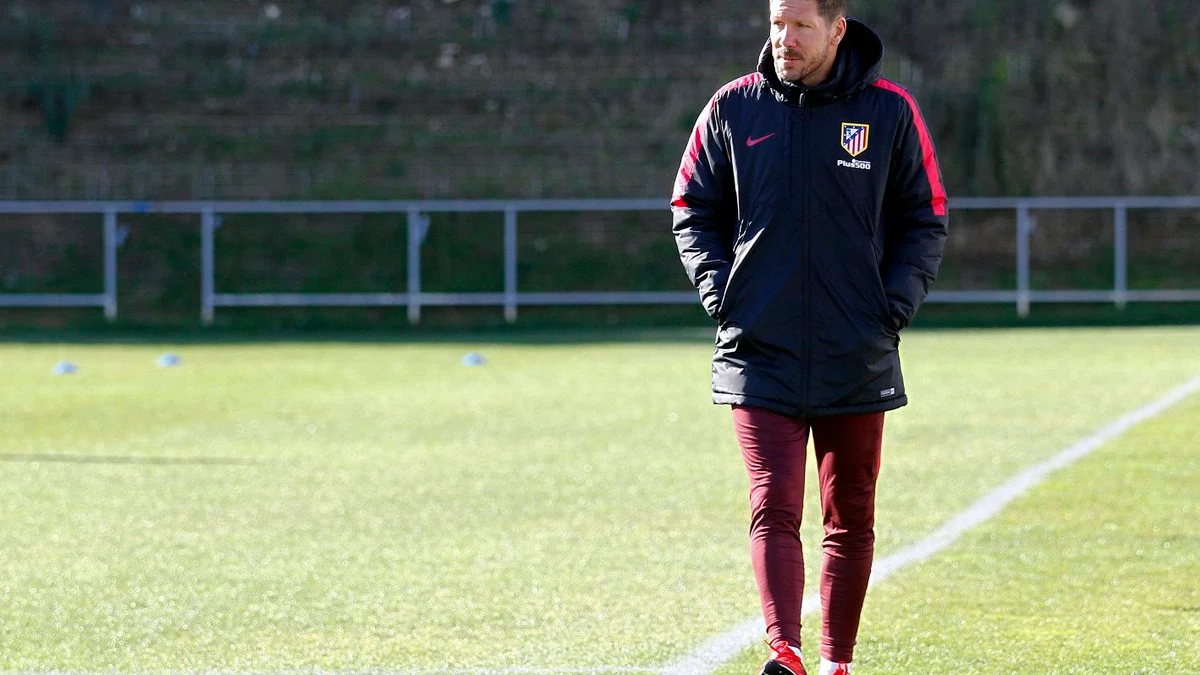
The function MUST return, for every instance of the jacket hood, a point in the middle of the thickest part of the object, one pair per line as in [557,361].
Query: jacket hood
[858,64]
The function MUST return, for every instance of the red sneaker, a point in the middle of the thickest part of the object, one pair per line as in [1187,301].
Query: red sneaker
[785,662]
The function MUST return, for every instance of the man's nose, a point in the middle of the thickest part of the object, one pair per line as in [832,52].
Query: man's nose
[789,37]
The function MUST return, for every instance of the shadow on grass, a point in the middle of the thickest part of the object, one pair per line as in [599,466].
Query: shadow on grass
[33,458]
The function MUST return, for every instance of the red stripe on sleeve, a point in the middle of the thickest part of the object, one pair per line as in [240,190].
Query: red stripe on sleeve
[928,157]
[690,156]
[687,168]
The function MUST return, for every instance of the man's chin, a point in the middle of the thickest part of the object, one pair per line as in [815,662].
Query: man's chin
[787,75]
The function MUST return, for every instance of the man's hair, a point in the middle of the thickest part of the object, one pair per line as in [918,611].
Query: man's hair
[830,10]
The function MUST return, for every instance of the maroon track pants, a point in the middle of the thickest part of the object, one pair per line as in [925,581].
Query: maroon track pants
[774,449]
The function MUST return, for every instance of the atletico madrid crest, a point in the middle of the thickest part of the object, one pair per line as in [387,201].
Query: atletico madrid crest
[854,138]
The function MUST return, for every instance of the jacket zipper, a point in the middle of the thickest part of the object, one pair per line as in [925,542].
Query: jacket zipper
[805,187]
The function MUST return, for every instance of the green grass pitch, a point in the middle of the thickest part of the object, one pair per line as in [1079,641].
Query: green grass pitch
[578,503]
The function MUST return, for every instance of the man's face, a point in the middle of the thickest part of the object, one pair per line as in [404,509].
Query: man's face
[803,43]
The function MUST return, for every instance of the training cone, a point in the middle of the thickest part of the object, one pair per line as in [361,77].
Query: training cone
[169,361]
[65,368]
[473,359]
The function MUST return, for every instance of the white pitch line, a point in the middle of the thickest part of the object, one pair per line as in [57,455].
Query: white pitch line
[724,647]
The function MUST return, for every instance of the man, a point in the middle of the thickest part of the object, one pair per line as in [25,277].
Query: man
[810,214]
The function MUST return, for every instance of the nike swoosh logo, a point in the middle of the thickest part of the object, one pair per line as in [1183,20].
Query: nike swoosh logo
[751,142]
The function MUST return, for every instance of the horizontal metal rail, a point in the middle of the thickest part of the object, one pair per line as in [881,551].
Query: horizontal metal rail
[533,205]
[511,298]
[451,299]
[52,300]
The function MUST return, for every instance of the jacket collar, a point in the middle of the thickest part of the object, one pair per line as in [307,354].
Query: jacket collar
[858,64]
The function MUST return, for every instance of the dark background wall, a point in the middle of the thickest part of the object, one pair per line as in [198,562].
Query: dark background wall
[537,98]
[190,99]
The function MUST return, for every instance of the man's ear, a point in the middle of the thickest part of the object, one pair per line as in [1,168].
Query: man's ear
[839,31]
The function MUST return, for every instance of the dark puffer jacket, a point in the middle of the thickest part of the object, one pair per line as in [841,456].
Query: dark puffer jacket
[812,221]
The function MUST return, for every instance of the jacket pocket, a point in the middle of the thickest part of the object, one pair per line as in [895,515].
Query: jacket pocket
[887,317]
[744,247]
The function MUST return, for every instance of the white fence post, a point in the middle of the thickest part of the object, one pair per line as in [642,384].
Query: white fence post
[415,237]
[510,264]
[1024,230]
[110,264]
[208,224]
[1120,255]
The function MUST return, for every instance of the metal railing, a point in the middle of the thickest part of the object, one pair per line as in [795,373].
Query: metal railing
[511,298]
